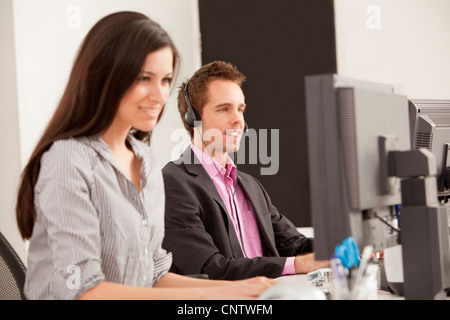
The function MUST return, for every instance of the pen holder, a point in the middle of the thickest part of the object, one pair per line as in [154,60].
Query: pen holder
[350,287]
[358,281]
[366,288]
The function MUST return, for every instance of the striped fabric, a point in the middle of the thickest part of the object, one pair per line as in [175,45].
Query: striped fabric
[92,225]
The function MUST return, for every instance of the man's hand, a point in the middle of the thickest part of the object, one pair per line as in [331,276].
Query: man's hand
[307,263]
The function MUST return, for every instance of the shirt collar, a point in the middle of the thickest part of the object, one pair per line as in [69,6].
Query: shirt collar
[139,148]
[212,167]
[96,142]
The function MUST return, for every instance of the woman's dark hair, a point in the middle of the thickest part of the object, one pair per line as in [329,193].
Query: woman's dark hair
[108,63]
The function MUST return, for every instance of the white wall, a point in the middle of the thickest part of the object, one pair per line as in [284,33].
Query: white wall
[404,43]
[9,128]
[47,34]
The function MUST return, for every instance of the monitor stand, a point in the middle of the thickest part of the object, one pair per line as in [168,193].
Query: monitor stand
[424,226]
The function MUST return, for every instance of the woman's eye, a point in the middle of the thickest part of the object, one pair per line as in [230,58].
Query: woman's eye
[144,78]
[167,80]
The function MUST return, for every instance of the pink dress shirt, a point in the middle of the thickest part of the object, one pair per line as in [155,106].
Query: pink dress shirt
[242,217]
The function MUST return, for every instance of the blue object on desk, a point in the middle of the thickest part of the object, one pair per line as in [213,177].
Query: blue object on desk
[348,253]
[397,212]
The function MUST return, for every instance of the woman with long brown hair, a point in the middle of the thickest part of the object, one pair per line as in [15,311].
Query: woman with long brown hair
[91,198]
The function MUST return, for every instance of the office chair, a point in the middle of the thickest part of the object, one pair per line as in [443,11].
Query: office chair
[12,272]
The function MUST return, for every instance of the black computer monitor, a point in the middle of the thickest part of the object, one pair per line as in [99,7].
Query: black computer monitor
[430,129]
[349,123]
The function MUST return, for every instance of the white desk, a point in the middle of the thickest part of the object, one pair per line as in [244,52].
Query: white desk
[307,231]
[301,278]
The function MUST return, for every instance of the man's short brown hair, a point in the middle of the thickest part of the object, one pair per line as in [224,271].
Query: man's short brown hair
[198,87]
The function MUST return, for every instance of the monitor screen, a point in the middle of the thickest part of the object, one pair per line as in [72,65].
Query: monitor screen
[430,129]
[349,121]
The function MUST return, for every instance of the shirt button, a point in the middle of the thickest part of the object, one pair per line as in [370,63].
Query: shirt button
[144,222]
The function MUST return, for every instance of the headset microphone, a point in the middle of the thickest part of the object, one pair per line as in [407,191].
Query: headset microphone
[245,127]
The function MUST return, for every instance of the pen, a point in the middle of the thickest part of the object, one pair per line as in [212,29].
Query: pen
[340,280]
[361,272]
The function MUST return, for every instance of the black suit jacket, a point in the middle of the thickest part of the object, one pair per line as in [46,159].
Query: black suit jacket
[200,234]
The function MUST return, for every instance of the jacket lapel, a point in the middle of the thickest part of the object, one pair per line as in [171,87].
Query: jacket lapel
[194,167]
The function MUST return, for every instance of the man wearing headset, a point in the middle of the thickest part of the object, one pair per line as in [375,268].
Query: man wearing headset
[220,221]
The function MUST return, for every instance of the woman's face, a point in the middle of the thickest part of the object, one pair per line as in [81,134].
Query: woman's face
[143,102]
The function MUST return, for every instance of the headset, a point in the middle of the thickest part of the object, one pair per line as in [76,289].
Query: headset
[191,116]
[193,119]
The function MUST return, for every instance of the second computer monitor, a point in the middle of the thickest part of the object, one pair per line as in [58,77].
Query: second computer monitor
[352,125]
[430,129]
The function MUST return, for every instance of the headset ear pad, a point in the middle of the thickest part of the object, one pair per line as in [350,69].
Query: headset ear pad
[191,116]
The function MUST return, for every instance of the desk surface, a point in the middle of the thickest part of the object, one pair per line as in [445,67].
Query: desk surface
[301,278]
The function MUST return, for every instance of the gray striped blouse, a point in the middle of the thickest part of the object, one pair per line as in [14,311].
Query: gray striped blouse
[92,225]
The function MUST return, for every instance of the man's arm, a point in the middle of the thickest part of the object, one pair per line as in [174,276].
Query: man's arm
[290,242]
